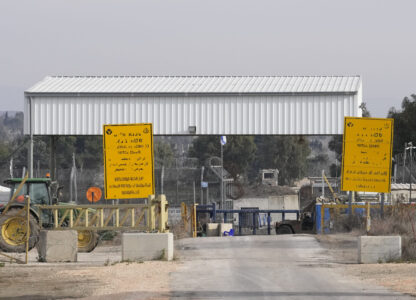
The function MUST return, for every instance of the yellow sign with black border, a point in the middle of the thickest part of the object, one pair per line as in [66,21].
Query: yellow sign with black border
[367,150]
[128,161]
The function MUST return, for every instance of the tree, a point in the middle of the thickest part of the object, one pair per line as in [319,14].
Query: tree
[65,147]
[89,151]
[404,123]
[364,111]
[163,153]
[335,144]
[239,152]
[288,154]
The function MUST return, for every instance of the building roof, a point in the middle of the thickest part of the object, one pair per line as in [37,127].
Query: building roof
[195,84]
[402,186]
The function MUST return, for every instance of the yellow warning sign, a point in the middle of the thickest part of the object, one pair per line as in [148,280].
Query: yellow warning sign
[128,161]
[367,149]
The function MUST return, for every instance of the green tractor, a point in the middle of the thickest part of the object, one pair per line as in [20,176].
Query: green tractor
[42,191]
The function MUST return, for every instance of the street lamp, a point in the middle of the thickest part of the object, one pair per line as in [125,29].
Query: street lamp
[410,147]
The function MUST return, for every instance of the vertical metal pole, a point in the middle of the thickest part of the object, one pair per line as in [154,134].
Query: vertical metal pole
[222,177]
[411,158]
[11,168]
[202,191]
[194,193]
[27,227]
[31,156]
[194,221]
[404,164]
[207,201]
[395,173]
[52,162]
[323,184]
[177,187]
[382,206]
[162,175]
[30,159]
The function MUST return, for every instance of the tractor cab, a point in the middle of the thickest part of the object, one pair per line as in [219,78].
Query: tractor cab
[38,190]
[41,192]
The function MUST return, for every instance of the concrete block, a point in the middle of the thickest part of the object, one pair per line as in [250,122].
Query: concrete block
[147,246]
[374,249]
[212,229]
[58,246]
[224,227]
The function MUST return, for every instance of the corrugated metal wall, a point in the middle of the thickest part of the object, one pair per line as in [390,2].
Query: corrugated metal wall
[172,115]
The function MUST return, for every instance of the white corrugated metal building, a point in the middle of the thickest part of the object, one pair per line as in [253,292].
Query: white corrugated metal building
[220,105]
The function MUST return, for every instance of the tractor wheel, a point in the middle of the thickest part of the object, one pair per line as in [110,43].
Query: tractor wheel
[284,229]
[87,240]
[14,231]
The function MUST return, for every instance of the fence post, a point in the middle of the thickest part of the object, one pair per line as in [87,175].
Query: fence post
[163,214]
[55,217]
[368,218]
[194,220]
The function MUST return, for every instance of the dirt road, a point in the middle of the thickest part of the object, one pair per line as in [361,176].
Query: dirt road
[248,267]
[265,267]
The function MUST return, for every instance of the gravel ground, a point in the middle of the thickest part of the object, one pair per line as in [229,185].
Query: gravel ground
[97,275]
[343,248]
[398,277]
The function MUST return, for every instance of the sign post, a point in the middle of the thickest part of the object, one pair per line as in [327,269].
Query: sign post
[128,161]
[367,150]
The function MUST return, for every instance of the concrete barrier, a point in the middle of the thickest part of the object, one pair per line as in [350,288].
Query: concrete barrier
[375,249]
[147,246]
[224,227]
[58,246]
[212,229]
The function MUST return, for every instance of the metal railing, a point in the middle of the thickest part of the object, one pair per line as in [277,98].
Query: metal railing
[141,217]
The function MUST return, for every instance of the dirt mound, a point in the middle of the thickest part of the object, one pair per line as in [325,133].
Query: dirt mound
[262,190]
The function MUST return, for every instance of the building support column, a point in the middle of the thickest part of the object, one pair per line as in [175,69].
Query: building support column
[30,152]
[52,157]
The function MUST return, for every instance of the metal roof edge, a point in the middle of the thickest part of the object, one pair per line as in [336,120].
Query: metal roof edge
[157,94]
